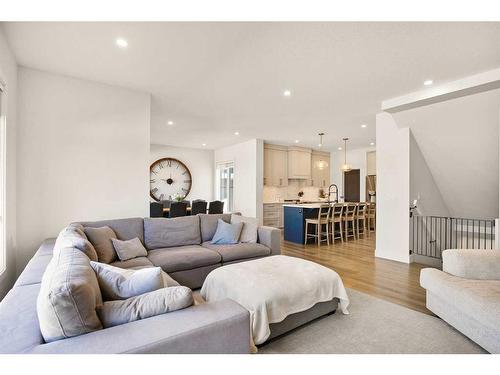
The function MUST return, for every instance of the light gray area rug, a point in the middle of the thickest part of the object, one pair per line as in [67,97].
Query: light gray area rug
[373,326]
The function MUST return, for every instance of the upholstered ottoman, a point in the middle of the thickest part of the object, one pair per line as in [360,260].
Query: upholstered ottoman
[280,292]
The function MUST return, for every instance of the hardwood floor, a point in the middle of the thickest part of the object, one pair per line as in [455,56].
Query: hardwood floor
[356,264]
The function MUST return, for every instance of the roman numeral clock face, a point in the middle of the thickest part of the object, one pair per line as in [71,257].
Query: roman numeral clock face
[169,177]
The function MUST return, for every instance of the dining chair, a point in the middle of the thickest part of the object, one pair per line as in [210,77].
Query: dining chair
[187,202]
[155,209]
[360,218]
[198,207]
[371,216]
[216,207]
[349,220]
[322,219]
[336,218]
[178,209]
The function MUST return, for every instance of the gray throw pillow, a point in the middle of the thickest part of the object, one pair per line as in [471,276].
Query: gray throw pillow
[72,236]
[68,297]
[227,233]
[250,227]
[101,239]
[161,301]
[118,283]
[129,249]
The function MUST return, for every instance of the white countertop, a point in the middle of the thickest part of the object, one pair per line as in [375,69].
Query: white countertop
[305,205]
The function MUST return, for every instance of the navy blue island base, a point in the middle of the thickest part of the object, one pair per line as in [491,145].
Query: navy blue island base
[295,223]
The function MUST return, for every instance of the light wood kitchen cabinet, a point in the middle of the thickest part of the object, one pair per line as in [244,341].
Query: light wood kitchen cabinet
[299,163]
[273,215]
[320,165]
[275,165]
[371,163]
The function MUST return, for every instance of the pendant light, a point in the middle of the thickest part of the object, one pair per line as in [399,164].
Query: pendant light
[345,167]
[321,139]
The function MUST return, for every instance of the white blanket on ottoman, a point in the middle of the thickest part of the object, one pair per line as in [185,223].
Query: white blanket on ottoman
[274,287]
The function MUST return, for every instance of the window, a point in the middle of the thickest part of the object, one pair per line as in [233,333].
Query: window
[225,183]
[2,178]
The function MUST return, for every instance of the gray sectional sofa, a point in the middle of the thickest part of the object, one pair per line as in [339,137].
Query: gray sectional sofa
[466,294]
[182,248]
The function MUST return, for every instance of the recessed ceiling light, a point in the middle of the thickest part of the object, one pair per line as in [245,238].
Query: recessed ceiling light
[287,93]
[297,141]
[236,133]
[340,149]
[372,143]
[170,122]
[428,82]
[122,43]
[203,144]
[363,125]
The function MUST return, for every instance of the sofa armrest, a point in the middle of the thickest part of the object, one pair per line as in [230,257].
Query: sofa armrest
[219,327]
[472,264]
[270,237]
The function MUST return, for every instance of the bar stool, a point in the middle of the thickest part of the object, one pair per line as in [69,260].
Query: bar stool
[322,219]
[361,213]
[350,217]
[336,218]
[371,216]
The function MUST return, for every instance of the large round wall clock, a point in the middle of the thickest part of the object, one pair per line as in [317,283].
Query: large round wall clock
[169,177]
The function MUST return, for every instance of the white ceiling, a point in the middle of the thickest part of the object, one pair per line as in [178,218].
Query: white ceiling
[213,79]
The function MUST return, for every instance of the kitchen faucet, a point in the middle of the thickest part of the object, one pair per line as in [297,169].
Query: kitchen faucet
[336,192]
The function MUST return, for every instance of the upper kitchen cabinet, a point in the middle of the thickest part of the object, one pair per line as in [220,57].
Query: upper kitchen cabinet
[275,165]
[299,163]
[320,169]
[371,163]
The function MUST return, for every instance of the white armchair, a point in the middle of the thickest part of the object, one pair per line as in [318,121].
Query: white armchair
[466,294]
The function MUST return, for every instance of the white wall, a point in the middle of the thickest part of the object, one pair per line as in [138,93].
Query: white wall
[459,140]
[82,154]
[423,186]
[200,163]
[393,189]
[357,160]
[8,75]
[248,158]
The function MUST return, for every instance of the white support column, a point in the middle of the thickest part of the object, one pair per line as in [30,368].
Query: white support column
[393,189]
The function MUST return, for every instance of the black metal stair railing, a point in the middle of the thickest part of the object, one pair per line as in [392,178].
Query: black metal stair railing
[431,235]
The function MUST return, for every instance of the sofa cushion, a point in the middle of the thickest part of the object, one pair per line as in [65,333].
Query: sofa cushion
[125,229]
[72,236]
[129,249]
[160,301]
[478,299]
[133,263]
[68,298]
[179,231]
[227,233]
[208,224]
[33,272]
[238,251]
[183,258]
[19,328]
[250,227]
[102,238]
[118,283]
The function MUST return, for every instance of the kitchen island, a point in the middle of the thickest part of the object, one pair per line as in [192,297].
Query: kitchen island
[295,216]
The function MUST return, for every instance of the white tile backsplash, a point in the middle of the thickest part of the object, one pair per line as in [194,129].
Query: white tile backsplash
[278,194]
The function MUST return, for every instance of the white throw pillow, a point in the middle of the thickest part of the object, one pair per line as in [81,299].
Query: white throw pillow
[250,227]
[113,313]
[129,249]
[118,283]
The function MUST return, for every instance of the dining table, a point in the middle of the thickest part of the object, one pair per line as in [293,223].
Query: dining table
[167,209]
